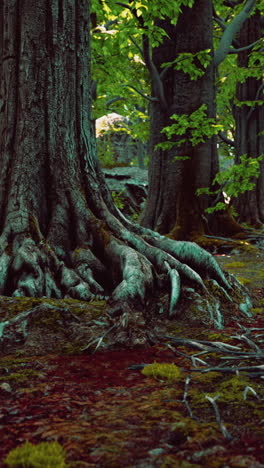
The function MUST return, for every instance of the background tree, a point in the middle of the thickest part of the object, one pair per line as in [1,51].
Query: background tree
[192,69]
[182,213]
[187,83]
[249,118]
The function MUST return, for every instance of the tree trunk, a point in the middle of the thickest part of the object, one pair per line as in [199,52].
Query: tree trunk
[61,235]
[172,204]
[249,124]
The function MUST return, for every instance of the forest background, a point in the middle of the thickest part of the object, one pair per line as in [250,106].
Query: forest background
[187,86]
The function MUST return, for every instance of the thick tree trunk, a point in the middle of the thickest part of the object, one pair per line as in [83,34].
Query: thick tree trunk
[61,235]
[249,125]
[172,204]
[49,165]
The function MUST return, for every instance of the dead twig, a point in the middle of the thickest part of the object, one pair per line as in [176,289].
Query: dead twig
[224,431]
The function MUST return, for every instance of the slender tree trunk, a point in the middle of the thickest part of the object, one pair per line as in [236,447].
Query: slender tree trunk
[249,125]
[61,235]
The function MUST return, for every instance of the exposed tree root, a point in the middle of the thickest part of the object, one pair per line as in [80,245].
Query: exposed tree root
[130,266]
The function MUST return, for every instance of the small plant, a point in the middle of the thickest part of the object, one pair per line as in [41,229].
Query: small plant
[163,370]
[118,199]
[43,455]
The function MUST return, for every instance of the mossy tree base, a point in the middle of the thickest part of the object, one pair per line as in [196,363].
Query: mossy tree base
[61,235]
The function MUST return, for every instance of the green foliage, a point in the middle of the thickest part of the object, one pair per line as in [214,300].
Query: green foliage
[118,65]
[235,180]
[43,455]
[230,75]
[116,61]
[195,128]
[239,178]
[248,103]
[105,152]
[219,206]
[187,62]
[162,370]
[118,199]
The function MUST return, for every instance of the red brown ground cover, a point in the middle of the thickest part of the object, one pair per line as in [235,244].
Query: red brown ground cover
[107,414]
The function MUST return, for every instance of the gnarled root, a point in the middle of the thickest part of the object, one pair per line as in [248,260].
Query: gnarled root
[135,269]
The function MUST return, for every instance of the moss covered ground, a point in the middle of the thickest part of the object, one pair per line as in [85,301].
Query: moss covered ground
[107,410]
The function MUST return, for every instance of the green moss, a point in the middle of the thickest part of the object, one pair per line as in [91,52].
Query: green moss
[16,360]
[233,388]
[230,390]
[43,455]
[215,292]
[34,228]
[170,460]
[162,370]
[205,377]
[11,307]
[243,280]
[72,348]
[257,310]
[19,377]
[200,432]
[218,337]
[50,319]
[235,265]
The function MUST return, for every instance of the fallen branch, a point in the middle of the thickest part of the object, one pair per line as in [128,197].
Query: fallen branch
[185,395]
[224,431]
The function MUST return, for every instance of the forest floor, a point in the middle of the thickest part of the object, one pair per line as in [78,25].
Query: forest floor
[106,413]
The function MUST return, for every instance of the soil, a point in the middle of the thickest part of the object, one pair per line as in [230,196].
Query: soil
[106,413]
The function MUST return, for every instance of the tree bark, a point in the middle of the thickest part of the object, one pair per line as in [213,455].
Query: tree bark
[249,125]
[172,205]
[61,234]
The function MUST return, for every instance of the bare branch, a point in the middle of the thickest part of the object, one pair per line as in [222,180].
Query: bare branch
[98,340]
[224,431]
[156,78]
[185,395]
[114,99]
[137,46]
[256,98]
[219,20]
[124,5]
[149,98]
[228,141]
[223,26]
[231,31]
[250,389]
[236,51]
[233,3]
